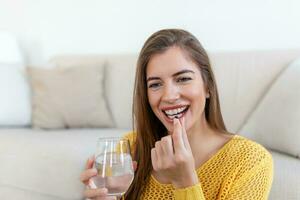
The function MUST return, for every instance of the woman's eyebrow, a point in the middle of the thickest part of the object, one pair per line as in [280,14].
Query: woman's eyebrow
[152,78]
[176,74]
[183,71]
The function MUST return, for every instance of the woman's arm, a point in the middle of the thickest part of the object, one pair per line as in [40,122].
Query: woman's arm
[191,193]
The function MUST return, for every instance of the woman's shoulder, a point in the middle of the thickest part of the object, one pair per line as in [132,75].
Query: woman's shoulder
[247,145]
[131,136]
[250,152]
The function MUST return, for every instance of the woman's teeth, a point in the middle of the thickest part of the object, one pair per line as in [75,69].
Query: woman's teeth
[175,116]
[175,112]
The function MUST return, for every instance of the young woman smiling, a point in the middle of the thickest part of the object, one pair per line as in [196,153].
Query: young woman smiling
[180,141]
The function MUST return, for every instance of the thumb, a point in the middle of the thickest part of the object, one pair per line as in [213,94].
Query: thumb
[90,162]
[134,164]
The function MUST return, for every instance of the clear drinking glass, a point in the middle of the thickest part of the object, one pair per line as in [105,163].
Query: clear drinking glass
[114,165]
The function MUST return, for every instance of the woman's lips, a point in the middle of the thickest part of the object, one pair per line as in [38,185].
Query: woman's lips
[168,119]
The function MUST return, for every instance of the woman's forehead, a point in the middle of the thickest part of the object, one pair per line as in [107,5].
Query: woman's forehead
[169,62]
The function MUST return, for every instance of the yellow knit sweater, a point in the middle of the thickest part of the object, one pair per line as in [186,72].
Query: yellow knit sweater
[241,169]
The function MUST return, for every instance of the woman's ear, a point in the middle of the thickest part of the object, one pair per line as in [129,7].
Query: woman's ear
[207,95]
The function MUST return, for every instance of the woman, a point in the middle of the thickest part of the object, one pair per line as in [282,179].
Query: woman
[180,141]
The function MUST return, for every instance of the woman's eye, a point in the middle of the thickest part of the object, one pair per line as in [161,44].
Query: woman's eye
[154,85]
[184,79]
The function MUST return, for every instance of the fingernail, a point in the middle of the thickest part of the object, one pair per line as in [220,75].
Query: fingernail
[91,158]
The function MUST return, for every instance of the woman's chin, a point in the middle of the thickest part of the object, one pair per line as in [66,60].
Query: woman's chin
[169,127]
[170,131]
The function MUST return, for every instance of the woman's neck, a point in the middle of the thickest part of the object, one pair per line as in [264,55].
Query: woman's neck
[200,137]
[200,130]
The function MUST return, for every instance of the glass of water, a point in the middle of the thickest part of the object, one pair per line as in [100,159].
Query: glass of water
[114,166]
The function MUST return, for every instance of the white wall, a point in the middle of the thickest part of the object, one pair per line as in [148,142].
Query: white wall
[49,27]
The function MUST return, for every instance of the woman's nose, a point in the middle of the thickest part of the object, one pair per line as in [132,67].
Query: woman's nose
[171,93]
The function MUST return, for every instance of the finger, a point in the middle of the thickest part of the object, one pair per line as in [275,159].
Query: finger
[159,154]
[158,149]
[184,134]
[177,136]
[90,162]
[87,174]
[92,193]
[106,198]
[167,146]
[154,159]
[134,165]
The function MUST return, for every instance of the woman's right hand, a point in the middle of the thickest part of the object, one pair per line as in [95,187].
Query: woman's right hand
[86,175]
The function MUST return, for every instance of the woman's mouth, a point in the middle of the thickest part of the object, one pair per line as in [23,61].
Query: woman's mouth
[178,112]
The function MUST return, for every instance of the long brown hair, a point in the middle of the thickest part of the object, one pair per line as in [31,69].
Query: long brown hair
[147,126]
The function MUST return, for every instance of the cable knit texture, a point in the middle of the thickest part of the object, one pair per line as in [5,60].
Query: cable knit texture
[240,170]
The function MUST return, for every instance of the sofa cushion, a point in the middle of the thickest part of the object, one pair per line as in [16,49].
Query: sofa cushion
[69,97]
[15,193]
[34,156]
[15,96]
[65,61]
[243,78]
[275,121]
[10,51]
[286,182]
[119,83]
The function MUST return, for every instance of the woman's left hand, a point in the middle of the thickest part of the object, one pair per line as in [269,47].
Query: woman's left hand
[172,157]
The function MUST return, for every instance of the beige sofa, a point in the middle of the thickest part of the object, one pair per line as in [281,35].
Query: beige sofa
[36,164]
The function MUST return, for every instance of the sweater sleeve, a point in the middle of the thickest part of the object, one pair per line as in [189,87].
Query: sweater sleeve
[254,184]
[131,136]
[190,193]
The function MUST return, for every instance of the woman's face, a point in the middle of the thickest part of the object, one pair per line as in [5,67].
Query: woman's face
[175,88]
